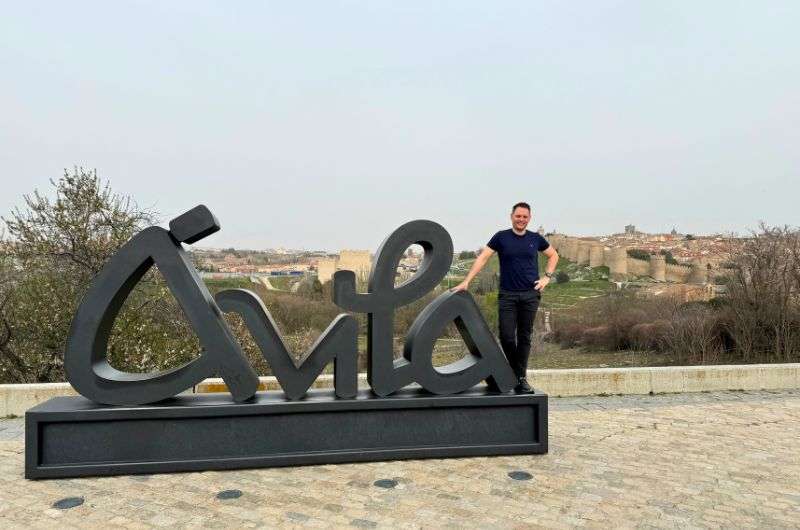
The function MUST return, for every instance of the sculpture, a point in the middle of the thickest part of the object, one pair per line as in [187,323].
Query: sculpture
[88,370]
[70,436]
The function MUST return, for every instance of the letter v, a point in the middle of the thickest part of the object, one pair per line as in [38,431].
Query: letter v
[338,343]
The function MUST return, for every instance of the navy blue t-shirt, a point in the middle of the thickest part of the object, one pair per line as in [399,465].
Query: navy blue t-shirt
[519,258]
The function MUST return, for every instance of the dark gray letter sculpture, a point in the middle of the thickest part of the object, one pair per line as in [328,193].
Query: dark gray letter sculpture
[85,361]
[69,436]
[339,342]
[90,373]
[385,374]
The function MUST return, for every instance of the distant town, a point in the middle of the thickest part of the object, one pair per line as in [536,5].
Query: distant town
[221,263]
[687,249]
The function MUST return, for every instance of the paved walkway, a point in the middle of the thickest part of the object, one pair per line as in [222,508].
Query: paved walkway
[689,460]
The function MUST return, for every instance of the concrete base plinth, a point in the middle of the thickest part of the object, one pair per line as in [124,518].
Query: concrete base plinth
[74,437]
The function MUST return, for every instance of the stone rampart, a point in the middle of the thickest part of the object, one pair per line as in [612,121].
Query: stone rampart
[556,241]
[638,267]
[623,267]
[571,248]
[677,273]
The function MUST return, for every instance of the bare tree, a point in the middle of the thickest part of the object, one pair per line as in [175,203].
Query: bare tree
[764,296]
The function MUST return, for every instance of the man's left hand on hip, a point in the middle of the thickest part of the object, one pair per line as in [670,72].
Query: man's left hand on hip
[541,283]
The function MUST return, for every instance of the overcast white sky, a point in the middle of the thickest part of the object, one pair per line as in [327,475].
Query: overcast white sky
[327,124]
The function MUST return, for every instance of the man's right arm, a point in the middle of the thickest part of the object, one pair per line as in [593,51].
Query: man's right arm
[480,261]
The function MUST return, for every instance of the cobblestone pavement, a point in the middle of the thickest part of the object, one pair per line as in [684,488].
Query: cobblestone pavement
[691,460]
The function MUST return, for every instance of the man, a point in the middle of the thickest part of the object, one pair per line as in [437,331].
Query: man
[520,286]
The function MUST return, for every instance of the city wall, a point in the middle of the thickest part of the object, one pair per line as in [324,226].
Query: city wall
[622,267]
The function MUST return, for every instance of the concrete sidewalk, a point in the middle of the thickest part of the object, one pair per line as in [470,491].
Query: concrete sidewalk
[723,459]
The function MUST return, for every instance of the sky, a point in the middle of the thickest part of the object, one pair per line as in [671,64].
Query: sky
[327,124]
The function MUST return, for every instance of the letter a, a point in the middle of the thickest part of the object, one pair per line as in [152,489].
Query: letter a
[85,360]
[485,360]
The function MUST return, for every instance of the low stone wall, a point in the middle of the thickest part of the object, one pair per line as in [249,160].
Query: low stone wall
[662,380]
[16,399]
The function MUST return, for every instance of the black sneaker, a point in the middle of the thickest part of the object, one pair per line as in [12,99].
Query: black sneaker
[523,387]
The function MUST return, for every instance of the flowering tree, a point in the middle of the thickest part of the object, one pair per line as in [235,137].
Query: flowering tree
[52,249]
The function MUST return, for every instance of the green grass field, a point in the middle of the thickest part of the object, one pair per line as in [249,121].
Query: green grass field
[564,295]
[283,283]
[584,284]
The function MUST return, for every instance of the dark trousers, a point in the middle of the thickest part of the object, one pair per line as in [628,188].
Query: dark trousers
[516,311]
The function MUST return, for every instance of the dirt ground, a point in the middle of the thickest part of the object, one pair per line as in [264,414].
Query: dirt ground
[547,355]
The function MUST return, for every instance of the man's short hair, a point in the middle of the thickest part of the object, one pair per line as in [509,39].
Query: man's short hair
[521,205]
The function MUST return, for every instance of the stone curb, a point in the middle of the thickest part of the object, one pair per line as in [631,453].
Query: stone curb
[16,399]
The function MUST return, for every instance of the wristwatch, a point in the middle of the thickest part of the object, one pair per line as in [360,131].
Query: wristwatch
[548,274]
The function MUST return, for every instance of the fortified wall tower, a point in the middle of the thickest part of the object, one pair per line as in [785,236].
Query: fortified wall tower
[583,253]
[571,248]
[699,273]
[325,269]
[618,267]
[658,267]
[596,255]
[358,261]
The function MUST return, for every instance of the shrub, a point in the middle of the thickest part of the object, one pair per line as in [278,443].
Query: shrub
[637,253]
[562,277]
[602,337]
[618,321]
[649,336]
[668,257]
[568,334]
[694,334]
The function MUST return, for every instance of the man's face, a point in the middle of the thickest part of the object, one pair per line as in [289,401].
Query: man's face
[520,218]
